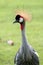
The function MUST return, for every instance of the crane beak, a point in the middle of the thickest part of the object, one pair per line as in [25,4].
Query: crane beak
[14,22]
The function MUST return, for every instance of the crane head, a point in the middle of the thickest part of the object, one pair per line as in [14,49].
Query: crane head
[19,19]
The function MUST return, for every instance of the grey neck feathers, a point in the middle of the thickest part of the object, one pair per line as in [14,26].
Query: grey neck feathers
[25,45]
[24,39]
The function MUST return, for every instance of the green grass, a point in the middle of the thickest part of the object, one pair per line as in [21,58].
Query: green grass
[8,30]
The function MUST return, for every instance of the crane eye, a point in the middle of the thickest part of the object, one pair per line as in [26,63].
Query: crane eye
[21,20]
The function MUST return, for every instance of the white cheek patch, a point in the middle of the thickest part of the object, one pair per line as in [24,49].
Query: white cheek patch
[21,20]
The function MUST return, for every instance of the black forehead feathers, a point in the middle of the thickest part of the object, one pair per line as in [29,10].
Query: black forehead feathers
[17,17]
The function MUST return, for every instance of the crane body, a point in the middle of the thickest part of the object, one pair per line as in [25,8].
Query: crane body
[26,55]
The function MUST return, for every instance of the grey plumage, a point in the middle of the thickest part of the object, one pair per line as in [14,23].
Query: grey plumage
[23,58]
[26,55]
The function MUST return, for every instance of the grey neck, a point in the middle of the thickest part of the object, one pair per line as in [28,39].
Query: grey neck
[25,46]
[24,39]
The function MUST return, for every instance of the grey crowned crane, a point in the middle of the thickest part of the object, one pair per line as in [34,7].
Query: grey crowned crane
[26,55]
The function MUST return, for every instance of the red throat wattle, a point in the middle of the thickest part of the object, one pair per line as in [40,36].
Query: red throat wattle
[21,26]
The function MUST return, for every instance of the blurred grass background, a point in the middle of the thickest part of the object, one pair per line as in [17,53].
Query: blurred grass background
[8,30]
